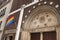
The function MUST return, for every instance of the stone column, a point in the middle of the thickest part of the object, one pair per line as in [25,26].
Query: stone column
[25,35]
[58,33]
[41,36]
[8,38]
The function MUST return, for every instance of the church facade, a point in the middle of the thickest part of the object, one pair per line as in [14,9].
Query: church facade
[40,21]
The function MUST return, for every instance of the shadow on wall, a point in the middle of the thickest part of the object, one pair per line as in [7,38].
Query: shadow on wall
[2,1]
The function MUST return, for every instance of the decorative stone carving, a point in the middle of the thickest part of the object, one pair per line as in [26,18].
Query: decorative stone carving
[43,16]
[43,21]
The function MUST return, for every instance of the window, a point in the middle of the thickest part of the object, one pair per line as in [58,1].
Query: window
[10,37]
[2,12]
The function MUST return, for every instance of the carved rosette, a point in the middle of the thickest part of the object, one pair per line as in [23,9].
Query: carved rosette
[44,19]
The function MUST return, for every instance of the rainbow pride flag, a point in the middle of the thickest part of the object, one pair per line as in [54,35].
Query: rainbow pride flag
[10,20]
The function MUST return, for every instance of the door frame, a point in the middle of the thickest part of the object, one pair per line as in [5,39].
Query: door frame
[41,31]
[25,35]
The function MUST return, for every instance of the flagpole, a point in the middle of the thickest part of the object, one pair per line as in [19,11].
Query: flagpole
[19,24]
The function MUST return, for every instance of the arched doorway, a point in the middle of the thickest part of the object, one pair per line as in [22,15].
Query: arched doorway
[41,24]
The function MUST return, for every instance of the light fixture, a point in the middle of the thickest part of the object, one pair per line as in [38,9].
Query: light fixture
[29,11]
[25,16]
[45,2]
[39,3]
[51,3]
[33,6]
[56,6]
[22,21]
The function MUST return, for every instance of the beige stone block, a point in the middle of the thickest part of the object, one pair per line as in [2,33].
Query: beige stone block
[25,35]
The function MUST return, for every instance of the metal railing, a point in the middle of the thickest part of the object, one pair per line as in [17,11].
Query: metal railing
[20,16]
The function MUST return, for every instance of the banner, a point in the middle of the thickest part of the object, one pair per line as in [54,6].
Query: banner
[10,20]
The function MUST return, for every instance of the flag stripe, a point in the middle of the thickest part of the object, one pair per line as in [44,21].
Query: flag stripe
[11,22]
[12,18]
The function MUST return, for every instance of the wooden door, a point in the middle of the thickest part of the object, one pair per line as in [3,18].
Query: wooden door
[49,36]
[35,36]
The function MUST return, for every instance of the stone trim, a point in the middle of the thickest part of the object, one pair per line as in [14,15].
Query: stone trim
[10,31]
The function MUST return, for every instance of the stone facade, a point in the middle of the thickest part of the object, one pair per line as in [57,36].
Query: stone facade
[40,18]
[44,16]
